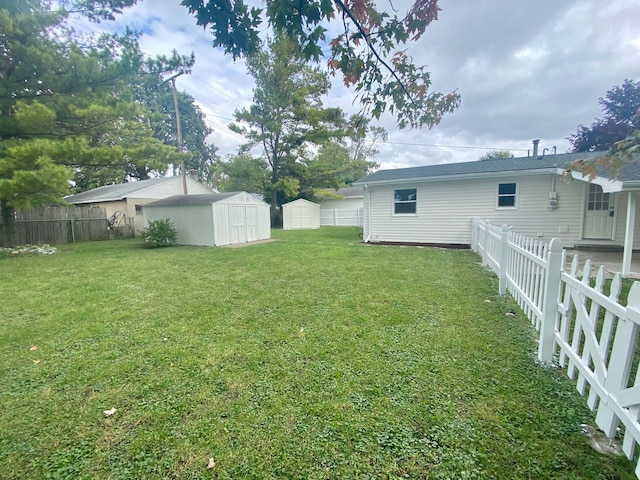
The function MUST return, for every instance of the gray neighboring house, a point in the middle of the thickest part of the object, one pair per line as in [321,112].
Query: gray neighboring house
[344,211]
[125,200]
[435,204]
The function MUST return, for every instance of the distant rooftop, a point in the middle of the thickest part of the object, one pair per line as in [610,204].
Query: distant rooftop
[116,192]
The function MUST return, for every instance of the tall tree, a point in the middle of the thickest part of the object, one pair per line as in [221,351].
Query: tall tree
[496,154]
[243,172]
[368,50]
[66,108]
[619,106]
[286,116]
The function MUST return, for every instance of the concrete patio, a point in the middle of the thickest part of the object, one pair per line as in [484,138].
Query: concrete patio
[611,259]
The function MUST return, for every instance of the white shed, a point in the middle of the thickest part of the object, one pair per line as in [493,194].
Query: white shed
[213,219]
[300,214]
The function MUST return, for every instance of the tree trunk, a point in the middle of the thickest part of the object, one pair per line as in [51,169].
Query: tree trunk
[275,212]
[6,224]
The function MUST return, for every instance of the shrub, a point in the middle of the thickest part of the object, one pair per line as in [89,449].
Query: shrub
[160,233]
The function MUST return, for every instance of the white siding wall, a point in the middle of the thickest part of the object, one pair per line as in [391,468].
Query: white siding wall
[157,192]
[445,210]
[620,208]
[169,188]
[335,204]
[193,222]
[138,217]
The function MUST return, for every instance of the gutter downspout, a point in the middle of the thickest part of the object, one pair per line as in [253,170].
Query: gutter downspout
[366,188]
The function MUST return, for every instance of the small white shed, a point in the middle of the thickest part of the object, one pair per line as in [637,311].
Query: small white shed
[300,214]
[213,219]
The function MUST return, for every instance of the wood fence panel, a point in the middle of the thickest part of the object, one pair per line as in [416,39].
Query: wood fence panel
[57,225]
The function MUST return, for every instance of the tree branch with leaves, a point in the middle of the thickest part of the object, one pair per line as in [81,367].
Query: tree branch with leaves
[369,51]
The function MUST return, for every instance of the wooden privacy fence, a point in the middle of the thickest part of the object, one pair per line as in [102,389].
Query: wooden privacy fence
[341,217]
[56,225]
[582,328]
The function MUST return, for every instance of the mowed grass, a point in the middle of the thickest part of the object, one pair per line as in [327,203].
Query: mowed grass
[310,357]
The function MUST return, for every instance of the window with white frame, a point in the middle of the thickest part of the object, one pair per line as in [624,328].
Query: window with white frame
[507,195]
[405,201]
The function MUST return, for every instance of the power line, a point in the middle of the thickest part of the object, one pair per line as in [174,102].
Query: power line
[218,90]
[471,147]
[219,127]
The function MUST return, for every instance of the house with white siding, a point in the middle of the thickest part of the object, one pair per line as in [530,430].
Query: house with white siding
[124,201]
[435,204]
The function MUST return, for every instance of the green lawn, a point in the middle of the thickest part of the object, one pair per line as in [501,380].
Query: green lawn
[310,357]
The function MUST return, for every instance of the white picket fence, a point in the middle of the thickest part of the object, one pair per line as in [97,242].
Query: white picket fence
[581,328]
[341,217]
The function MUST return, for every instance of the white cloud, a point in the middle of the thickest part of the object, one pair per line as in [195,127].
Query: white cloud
[524,69]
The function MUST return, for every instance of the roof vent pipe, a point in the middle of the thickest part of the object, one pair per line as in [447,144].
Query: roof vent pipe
[535,147]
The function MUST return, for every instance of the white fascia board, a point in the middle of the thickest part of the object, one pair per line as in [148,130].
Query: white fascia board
[97,200]
[608,185]
[466,176]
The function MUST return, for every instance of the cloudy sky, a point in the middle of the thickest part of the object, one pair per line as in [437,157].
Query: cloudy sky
[525,69]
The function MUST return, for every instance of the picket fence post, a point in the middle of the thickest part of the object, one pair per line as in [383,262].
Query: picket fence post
[550,301]
[485,244]
[504,251]
[474,234]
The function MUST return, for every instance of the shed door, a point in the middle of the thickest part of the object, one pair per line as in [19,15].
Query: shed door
[301,216]
[599,215]
[252,223]
[238,223]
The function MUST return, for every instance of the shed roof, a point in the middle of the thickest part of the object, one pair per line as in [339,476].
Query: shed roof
[198,199]
[301,200]
[110,193]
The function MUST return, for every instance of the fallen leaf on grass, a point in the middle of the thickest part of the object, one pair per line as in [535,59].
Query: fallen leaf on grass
[108,413]
[301,333]
[36,361]
[211,464]
[33,348]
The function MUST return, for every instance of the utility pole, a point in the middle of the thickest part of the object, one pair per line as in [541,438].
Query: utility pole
[178,127]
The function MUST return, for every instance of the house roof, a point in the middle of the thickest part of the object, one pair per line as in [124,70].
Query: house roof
[196,199]
[109,193]
[479,167]
[346,192]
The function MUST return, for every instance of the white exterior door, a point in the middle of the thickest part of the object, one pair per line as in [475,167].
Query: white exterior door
[599,215]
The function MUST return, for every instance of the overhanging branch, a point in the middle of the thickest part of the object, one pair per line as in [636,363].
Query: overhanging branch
[365,35]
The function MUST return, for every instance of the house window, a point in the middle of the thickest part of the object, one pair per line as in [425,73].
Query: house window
[506,195]
[138,209]
[598,200]
[404,201]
